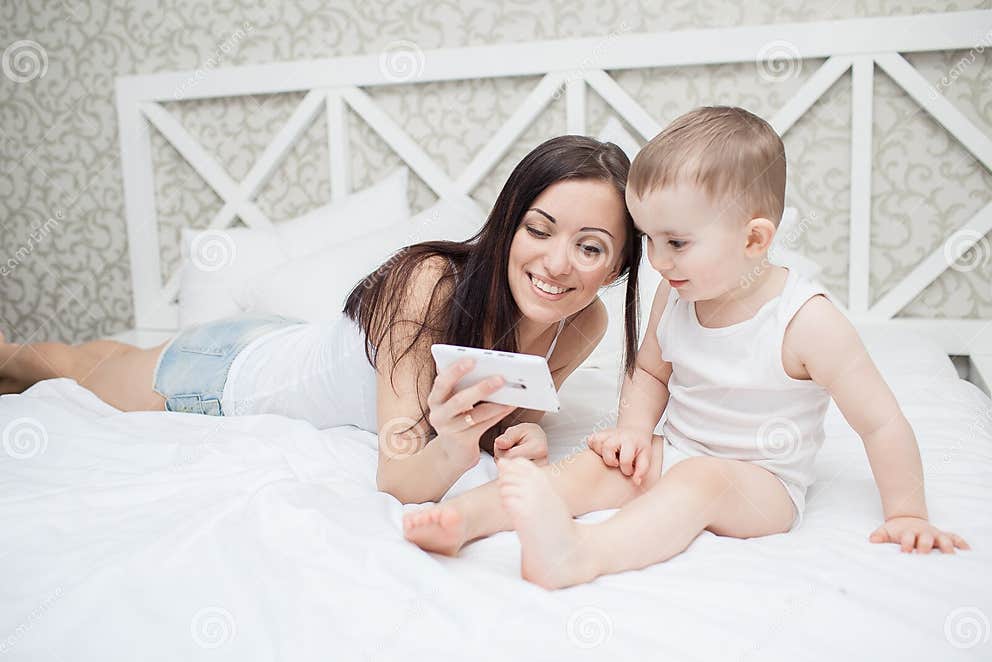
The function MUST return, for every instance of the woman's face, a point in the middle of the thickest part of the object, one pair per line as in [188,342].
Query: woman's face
[571,238]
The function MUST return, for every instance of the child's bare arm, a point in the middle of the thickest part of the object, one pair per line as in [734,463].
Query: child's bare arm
[830,351]
[643,398]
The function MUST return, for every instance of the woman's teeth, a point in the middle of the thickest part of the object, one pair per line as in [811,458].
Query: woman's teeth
[545,287]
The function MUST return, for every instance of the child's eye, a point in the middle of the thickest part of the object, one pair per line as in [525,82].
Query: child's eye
[537,233]
[677,243]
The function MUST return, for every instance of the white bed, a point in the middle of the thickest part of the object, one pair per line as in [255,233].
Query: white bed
[158,535]
[174,536]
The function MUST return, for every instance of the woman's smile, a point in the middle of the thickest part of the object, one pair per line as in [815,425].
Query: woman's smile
[545,289]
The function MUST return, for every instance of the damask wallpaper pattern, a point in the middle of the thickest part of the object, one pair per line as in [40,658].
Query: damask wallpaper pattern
[65,272]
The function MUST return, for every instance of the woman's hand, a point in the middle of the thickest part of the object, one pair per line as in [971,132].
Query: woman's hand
[626,448]
[455,416]
[917,533]
[522,440]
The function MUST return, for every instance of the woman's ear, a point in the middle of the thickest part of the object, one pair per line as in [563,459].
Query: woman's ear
[759,235]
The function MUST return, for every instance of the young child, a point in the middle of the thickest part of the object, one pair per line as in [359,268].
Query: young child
[742,356]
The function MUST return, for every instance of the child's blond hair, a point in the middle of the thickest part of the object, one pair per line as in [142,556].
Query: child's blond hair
[733,154]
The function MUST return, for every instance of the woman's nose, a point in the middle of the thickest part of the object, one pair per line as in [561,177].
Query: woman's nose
[557,260]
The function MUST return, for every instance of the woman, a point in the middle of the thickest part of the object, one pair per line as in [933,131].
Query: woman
[526,282]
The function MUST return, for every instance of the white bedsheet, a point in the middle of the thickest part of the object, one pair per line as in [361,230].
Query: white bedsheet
[163,536]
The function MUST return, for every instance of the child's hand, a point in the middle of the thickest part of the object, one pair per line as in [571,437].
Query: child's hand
[916,533]
[626,448]
[526,440]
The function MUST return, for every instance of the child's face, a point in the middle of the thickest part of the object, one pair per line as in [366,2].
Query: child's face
[698,246]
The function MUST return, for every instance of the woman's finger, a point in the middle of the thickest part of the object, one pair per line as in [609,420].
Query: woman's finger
[444,383]
[466,398]
[484,410]
[484,416]
[500,414]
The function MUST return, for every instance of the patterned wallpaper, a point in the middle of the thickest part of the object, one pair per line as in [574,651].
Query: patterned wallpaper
[65,274]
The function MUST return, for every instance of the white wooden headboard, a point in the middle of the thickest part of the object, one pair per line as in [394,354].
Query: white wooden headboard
[332,84]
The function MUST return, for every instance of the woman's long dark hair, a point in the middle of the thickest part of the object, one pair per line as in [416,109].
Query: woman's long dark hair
[480,310]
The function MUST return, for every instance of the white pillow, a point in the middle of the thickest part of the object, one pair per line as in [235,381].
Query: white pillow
[218,264]
[315,288]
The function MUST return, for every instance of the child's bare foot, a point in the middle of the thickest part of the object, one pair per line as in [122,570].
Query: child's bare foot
[549,536]
[440,529]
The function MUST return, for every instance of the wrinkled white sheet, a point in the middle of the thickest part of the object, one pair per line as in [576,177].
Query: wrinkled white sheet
[164,536]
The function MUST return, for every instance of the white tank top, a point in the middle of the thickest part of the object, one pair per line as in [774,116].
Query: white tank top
[729,393]
[314,371]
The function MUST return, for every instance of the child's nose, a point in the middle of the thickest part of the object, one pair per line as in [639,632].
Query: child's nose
[660,262]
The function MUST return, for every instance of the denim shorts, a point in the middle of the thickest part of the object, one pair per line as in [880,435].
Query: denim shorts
[192,369]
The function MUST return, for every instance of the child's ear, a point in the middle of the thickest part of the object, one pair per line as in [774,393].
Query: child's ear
[759,235]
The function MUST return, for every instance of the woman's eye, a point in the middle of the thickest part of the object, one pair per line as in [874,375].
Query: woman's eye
[675,243]
[591,249]
[537,233]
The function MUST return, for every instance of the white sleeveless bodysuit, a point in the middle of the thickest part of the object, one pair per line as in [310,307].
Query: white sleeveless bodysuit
[314,371]
[730,396]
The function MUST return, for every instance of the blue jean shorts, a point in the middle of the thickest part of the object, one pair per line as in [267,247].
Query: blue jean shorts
[192,369]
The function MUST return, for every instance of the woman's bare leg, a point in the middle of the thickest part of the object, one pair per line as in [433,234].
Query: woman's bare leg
[582,481]
[118,373]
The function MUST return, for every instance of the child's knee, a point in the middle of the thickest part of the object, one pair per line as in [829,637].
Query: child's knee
[702,476]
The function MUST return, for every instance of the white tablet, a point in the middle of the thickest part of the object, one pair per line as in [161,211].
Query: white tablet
[528,379]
